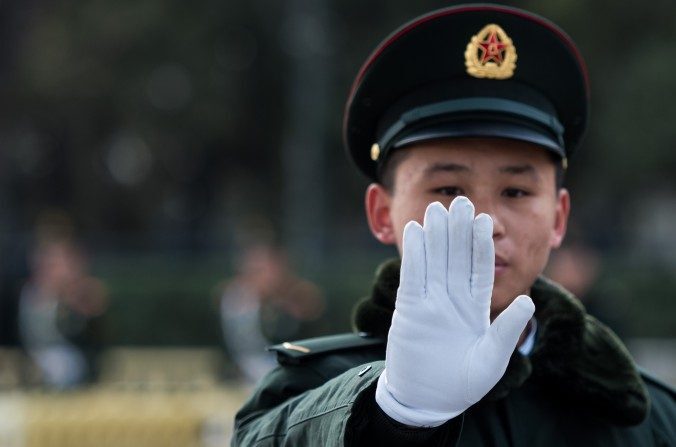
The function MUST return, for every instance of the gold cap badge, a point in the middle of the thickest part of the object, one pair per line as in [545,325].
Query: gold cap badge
[375,151]
[490,54]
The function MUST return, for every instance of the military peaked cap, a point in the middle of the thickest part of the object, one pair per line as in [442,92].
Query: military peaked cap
[468,71]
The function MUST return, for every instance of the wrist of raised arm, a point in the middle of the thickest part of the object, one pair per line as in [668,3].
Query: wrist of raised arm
[372,426]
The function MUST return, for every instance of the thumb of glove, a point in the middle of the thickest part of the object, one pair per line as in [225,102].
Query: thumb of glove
[508,326]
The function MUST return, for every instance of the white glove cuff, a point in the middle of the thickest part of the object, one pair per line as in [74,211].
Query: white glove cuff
[407,415]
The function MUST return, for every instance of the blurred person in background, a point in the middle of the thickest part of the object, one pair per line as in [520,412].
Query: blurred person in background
[61,308]
[577,267]
[265,303]
[464,120]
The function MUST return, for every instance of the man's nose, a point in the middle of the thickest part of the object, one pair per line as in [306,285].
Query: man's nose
[487,206]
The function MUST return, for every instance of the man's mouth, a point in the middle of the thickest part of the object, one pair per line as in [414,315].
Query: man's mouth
[500,265]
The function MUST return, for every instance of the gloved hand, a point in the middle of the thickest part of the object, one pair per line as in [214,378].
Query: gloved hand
[443,354]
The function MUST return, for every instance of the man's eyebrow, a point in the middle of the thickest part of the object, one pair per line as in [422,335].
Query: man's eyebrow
[519,169]
[445,167]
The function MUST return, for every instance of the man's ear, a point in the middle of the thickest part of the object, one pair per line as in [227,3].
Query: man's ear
[561,218]
[378,203]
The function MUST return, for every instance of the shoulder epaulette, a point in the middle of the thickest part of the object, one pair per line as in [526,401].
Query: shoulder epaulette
[310,347]
[654,381]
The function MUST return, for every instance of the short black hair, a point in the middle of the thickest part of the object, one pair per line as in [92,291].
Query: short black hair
[560,170]
[387,171]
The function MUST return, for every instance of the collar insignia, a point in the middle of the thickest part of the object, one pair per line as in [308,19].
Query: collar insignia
[490,54]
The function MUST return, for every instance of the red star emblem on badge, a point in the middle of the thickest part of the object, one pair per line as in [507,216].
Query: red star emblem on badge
[491,49]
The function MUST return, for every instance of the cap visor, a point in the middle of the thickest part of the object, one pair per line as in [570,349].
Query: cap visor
[474,129]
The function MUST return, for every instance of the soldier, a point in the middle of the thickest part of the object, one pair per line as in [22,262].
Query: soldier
[464,119]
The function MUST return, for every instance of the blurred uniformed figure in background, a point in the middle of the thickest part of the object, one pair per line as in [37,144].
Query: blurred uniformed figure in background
[61,308]
[464,119]
[265,303]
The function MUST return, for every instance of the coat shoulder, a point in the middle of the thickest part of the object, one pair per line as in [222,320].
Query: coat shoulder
[308,364]
[655,383]
[296,352]
[662,416]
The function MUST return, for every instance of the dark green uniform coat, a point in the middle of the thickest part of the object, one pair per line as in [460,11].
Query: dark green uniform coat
[578,387]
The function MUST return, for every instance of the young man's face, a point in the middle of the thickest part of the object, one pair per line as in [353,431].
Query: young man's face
[512,181]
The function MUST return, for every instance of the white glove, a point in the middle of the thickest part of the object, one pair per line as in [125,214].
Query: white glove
[443,353]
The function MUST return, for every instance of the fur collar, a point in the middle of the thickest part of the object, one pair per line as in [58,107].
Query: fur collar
[575,356]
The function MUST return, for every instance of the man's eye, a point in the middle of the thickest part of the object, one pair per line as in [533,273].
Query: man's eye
[449,191]
[514,193]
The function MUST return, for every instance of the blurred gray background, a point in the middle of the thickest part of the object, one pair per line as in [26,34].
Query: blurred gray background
[171,134]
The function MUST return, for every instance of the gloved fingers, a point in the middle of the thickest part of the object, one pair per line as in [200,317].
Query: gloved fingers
[412,276]
[508,326]
[436,247]
[483,264]
[460,223]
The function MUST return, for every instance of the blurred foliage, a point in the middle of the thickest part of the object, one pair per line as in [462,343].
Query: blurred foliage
[162,300]
[635,301]
[170,300]
[158,126]
[175,301]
